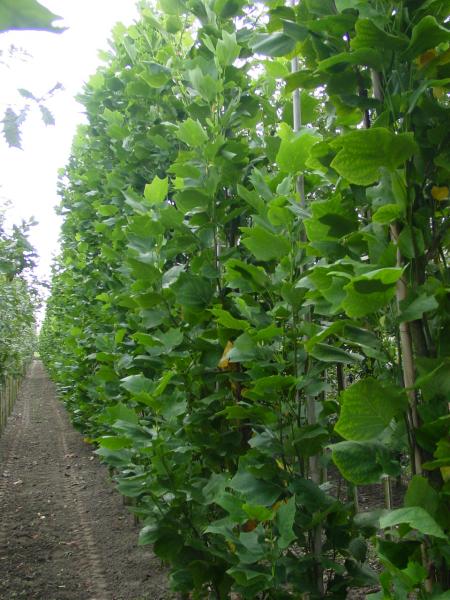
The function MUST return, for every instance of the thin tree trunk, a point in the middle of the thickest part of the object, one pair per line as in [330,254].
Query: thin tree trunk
[314,467]
[407,358]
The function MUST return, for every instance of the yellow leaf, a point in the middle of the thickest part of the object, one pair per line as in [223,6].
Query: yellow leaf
[439,92]
[426,57]
[224,363]
[445,472]
[439,193]
[277,505]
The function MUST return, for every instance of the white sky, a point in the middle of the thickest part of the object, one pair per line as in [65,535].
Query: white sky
[28,177]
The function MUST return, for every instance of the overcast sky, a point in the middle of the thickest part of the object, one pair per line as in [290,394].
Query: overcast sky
[28,177]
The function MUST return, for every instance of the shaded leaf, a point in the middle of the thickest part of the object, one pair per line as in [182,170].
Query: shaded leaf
[414,516]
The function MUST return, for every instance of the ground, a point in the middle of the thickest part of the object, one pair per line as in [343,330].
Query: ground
[64,532]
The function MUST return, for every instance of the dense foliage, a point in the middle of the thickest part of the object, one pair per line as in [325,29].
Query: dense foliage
[253,290]
[18,302]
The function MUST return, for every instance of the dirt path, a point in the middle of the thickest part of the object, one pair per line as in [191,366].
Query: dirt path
[64,533]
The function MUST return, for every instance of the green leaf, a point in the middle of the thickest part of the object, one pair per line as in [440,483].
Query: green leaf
[189,200]
[363,152]
[414,516]
[192,291]
[228,8]
[265,245]
[397,552]
[11,127]
[255,491]
[135,384]
[172,7]
[368,407]
[26,14]
[358,548]
[369,35]
[420,493]
[156,75]
[227,320]
[205,85]
[364,56]
[331,220]
[411,242]
[303,79]
[192,133]
[119,412]
[113,442]
[156,191]
[47,117]
[371,291]
[295,148]
[273,44]
[333,354]
[310,107]
[244,349]
[163,383]
[257,512]
[284,521]
[410,311]
[245,275]
[361,462]
[425,35]
[387,213]
[227,49]
[168,545]
[149,534]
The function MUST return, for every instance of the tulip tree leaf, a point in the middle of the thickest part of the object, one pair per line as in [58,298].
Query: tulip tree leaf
[156,191]
[227,320]
[368,407]
[192,133]
[333,354]
[416,308]
[273,44]
[156,75]
[284,520]
[192,290]
[414,516]
[369,35]
[263,244]
[370,292]
[427,33]
[363,56]
[363,152]
[421,493]
[136,384]
[255,491]
[26,14]
[294,149]
[362,462]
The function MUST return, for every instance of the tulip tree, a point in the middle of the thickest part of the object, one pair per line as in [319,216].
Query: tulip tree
[18,302]
[252,294]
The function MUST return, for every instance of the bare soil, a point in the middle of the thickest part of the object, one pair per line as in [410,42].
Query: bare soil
[64,532]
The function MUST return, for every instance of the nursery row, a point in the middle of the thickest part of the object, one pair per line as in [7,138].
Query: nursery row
[18,301]
[251,302]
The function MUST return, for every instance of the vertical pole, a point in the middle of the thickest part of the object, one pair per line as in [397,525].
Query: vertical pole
[314,466]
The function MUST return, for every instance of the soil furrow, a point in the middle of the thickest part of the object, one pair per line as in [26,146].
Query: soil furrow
[64,533]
